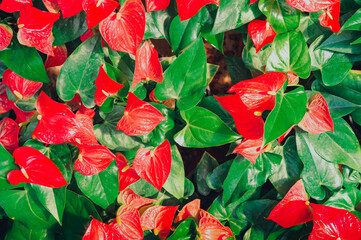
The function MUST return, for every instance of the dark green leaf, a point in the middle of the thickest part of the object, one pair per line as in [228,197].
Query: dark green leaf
[69,29]
[101,188]
[204,167]
[144,188]
[175,182]
[342,43]
[354,22]
[290,54]
[20,232]
[237,70]
[203,129]
[80,70]
[346,198]
[216,178]
[24,61]
[185,80]
[187,230]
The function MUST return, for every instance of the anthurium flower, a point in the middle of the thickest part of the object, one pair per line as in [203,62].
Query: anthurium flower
[86,111]
[6,34]
[59,58]
[9,132]
[333,223]
[311,6]
[331,17]
[250,149]
[52,5]
[317,118]
[70,8]
[35,29]
[57,123]
[105,87]
[129,198]
[147,65]
[158,218]
[93,159]
[154,165]
[127,174]
[35,168]
[85,134]
[294,209]
[22,116]
[249,122]
[11,6]
[260,92]
[261,33]
[124,31]
[293,79]
[5,103]
[20,87]
[139,118]
[156,5]
[191,209]
[98,231]
[210,228]
[127,224]
[188,8]
[97,10]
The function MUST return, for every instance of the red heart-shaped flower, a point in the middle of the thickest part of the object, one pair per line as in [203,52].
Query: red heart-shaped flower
[188,8]
[156,5]
[98,231]
[331,17]
[98,10]
[261,33]
[11,6]
[129,198]
[9,134]
[311,6]
[59,58]
[191,209]
[6,34]
[127,225]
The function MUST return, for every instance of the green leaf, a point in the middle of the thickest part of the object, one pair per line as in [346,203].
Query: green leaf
[203,129]
[317,172]
[310,27]
[107,134]
[216,178]
[289,171]
[119,77]
[20,232]
[237,70]
[124,63]
[290,54]
[144,188]
[187,230]
[204,167]
[211,72]
[101,188]
[337,106]
[175,181]
[151,30]
[7,164]
[280,15]
[77,216]
[185,79]
[354,22]
[24,61]
[255,60]
[69,29]
[342,43]
[216,40]
[346,198]
[340,146]
[233,14]
[289,110]
[21,206]
[78,74]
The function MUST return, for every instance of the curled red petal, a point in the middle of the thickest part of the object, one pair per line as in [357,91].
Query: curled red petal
[311,6]
[191,209]
[129,198]
[260,92]
[250,149]
[35,168]
[5,103]
[85,134]
[35,29]
[86,111]
[139,118]
[331,17]
[261,33]
[249,123]
[19,86]
[86,35]
[294,209]
[9,134]
[127,225]
[52,5]
[11,6]
[57,123]
[22,116]
[127,174]
[6,34]
[59,58]
[156,5]
[332,223]
[105,87]
[98,231]
[210,228]
[154,166]
[98,10]
[158,218]
[70,8]
[293,79]
[93,159]
[189,8]
[317,118]
[124,31]
[147,65]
